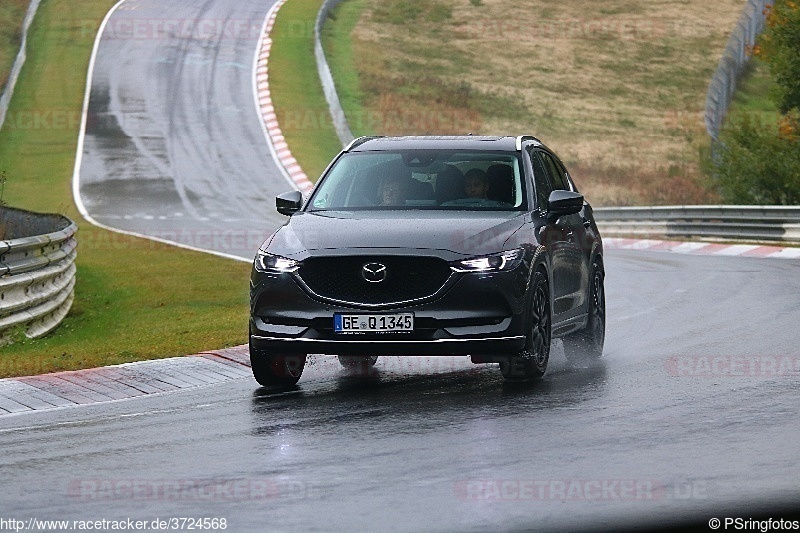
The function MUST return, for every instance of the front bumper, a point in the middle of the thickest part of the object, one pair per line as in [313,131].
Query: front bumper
[305,345]
[477,314]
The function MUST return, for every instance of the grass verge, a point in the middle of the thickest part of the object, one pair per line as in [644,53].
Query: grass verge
[134,299]
[296,91]
[617,88]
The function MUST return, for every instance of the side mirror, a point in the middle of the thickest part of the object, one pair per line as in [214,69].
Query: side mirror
[289,203]
[563,203]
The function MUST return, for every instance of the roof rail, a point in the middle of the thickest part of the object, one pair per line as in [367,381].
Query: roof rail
[523,138]
[361,140]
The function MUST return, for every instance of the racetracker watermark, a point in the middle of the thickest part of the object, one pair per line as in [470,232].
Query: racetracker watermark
[397,120]
[733,366]
[119,524]
[64,119]
[548,29]
[578,490]
[245,242]
[202,29]
[189,490]
[682,121]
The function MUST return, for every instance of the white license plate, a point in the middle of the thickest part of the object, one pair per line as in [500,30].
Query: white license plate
[389,323]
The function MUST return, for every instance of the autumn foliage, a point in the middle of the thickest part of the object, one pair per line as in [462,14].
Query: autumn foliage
[758,162]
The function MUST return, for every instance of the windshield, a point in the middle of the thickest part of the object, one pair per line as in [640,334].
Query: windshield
[422,179]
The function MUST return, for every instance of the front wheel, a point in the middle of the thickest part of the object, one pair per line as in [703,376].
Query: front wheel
[531,363]
[276,370]
[586,346]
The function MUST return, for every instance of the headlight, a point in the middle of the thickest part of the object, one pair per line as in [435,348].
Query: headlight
[490,263]
[275,264]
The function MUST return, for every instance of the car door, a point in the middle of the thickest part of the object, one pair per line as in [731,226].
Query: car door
[552,234]
[569,266]
[585,237]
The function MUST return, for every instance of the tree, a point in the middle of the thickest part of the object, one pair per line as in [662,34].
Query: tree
[779,47]
[757,162]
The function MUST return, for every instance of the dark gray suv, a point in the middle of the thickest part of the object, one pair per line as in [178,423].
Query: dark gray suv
[470,245]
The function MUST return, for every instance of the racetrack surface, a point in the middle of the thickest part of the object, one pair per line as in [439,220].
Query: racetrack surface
[173,145]
[692,415]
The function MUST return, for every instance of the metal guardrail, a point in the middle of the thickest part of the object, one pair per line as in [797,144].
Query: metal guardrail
[732,64]
[736,223]
[37,272]
[325,76]
[16,68]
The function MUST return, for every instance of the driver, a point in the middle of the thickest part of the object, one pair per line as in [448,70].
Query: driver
[394,190]
[476,183]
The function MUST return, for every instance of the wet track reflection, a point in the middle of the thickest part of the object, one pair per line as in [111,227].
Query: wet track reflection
[690,415]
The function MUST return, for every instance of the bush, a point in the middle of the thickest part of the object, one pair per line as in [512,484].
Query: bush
[779,46]
[759,163]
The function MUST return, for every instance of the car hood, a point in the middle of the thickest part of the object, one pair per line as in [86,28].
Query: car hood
[454,234]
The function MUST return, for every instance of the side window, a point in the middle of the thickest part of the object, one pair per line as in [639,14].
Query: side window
[541,181]
[556,174]
[567,178]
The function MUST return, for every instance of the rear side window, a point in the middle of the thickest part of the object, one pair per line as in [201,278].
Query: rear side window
[557,175]
[542,182]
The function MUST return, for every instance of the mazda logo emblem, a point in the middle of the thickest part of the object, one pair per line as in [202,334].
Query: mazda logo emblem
[373,272]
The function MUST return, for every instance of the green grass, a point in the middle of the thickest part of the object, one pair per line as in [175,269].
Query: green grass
[12,13]
[755,95]
[134,299]
[382,96]
[297,94]
[617,88]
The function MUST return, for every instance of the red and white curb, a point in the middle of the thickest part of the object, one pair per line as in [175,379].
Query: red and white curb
[702,248]
[274,135]
[121,382]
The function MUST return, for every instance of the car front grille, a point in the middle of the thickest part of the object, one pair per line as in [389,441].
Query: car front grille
[342,278]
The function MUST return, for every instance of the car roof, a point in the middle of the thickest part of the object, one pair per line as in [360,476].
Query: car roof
[440,142]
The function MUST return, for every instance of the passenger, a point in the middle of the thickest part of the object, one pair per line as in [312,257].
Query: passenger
[476,183]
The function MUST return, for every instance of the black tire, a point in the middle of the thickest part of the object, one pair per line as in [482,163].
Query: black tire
[531,363]
[276,370]
[353,362]
[585,347]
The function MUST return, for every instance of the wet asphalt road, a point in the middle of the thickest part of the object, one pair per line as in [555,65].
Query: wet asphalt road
[693,414]
[174,147]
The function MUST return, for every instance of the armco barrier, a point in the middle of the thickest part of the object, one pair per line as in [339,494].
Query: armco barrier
[37,272]
[736,223]
[328,86]
[16,68]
